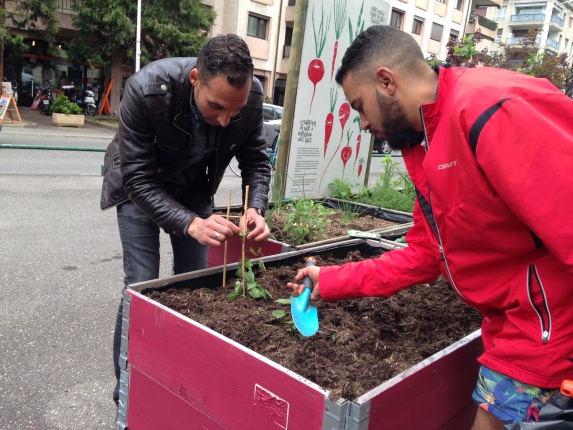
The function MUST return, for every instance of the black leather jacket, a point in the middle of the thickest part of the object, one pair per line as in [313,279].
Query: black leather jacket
[155,136]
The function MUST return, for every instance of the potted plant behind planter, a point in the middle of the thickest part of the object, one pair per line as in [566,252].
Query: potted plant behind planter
[65,113]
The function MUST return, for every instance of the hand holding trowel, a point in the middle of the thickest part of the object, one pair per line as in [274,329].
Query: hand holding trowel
[305,317]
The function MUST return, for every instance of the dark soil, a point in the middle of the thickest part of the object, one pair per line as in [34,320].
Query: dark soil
[360,343]
[338,225]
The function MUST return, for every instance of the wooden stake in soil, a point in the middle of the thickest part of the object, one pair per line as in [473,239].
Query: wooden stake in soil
[243,238]
[225,249]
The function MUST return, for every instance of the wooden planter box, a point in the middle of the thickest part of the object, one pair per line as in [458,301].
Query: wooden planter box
[179,374]
[63,120]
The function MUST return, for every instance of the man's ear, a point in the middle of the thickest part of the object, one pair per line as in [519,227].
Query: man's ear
[386,80]
[194,77]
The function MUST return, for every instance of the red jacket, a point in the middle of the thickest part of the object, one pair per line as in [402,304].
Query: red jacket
[497,180]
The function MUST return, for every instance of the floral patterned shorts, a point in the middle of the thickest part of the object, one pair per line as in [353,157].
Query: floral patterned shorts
[507,399]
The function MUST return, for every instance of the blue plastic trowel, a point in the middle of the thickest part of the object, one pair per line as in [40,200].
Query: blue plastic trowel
[304,315]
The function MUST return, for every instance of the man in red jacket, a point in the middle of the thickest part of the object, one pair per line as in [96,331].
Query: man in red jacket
[491,153]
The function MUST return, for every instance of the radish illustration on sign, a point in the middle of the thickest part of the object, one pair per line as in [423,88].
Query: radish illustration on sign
[316,66]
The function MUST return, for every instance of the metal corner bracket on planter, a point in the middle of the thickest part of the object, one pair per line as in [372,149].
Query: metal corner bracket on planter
[177,373]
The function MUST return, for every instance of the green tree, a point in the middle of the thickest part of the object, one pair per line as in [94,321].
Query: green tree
[524,57]
[169,28]
[37,15]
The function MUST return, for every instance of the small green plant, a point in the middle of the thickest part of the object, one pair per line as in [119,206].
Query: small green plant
[343,190]
[281,315]
[340,189]
[393,189]
[306,221]
[255,290]
[63,105]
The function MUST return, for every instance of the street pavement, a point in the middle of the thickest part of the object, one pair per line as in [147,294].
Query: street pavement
[60,283]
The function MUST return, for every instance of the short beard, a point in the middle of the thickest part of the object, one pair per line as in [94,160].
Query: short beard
[398,134]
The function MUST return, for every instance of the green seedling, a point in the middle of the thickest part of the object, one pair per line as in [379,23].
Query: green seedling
[281,315]
[255,290]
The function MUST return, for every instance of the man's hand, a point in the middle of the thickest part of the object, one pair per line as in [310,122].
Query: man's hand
[256,226]
[212,231]
[312,272]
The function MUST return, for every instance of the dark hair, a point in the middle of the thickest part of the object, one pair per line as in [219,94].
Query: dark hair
[226,55]
[381,45]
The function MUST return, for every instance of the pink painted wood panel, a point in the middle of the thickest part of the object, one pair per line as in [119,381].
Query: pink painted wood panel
[215,376]
[432,395]
[234,250]
[151,406]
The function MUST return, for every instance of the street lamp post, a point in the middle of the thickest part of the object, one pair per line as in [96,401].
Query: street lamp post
[138,38]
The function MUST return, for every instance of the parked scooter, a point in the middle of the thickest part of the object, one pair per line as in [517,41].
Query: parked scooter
[46,99]
[86,102]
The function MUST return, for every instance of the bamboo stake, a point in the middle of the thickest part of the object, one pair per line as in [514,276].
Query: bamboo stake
[243,239]
[225,249]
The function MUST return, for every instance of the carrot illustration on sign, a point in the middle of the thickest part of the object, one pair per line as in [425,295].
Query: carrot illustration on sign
[358,139]
[346,152]
[339,20]
[343,115]
[329,123]
[316,66]
[360,164]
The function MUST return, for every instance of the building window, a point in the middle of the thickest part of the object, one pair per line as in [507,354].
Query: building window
[441,1]
[454,36]
[501,13]
[257,26]
[436,33]
[417,25]
[396,18]
[458,5]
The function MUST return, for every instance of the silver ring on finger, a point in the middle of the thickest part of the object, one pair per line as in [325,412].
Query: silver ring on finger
[216,235]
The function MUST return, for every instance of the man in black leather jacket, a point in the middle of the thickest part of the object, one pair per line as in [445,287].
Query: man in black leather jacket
[182,120]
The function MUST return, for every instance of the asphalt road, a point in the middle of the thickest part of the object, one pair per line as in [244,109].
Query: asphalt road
[60,279]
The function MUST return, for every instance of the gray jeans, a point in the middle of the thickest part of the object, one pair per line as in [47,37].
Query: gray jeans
[140,243]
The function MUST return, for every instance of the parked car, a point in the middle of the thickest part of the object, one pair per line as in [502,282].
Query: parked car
[272,130]
[272,112]
[272,116]
[381,147]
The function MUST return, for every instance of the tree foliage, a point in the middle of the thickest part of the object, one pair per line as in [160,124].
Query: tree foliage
[523,57]
[169,28]
[37,15]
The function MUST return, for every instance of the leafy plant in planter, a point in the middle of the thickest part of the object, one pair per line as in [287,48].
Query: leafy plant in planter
[306,220]
[63,105]
[393,189]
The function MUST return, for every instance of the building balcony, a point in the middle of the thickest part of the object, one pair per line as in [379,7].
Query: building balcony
[552,45]
[556,23]
[487,27]
[526,20]
[486,3]
[519,40]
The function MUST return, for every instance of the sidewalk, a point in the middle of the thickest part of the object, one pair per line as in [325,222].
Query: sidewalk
[35,123]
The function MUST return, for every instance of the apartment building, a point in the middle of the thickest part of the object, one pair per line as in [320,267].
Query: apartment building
[267,26]
[515,18]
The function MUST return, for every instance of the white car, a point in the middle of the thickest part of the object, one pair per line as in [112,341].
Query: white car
[272,112]
[381,147]
[272,116]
